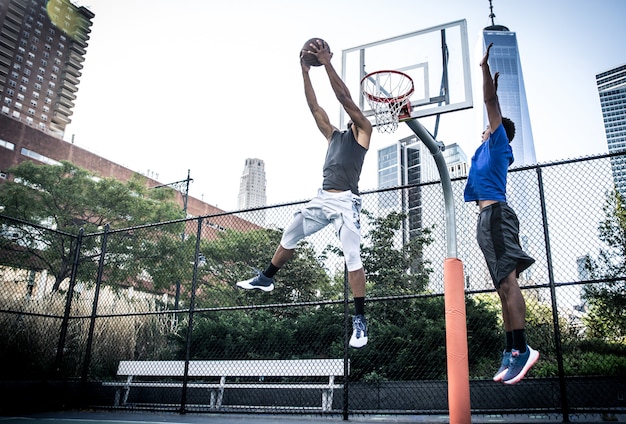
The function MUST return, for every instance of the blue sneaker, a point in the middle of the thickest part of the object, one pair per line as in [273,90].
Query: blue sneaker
[520,364]
[359,332]
[504,366]
[260,282]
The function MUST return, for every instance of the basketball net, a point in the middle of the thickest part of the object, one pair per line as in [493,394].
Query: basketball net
[388,94]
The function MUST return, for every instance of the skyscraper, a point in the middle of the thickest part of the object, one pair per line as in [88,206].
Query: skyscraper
[504,58]
[612,90]
[252,189]
[42,47]
[409,162]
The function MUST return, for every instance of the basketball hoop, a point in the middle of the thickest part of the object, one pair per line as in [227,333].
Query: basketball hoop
[388,93]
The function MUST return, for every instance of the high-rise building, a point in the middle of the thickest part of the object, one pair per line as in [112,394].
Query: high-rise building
[410,162]
[612,91]
[42,47]
[504,58]
[252,188]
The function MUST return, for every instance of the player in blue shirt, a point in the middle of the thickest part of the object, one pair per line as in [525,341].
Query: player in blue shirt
[498,229]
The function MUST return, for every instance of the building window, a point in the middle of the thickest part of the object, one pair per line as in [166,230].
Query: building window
[7,144]
[37,156]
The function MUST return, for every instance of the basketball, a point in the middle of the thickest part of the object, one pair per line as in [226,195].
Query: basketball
[309,58]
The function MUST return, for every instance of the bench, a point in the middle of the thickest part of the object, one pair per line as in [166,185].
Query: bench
[222,371]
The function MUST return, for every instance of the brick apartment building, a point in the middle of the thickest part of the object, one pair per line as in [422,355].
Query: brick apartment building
[20,142]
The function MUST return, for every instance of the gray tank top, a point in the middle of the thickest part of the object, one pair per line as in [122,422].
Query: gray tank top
[344,160]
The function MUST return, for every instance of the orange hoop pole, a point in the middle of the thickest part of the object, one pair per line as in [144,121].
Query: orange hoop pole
[456,342]
[454,294]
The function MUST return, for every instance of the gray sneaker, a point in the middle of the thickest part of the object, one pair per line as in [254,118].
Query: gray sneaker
[504,366]
[520,364]
[260,282]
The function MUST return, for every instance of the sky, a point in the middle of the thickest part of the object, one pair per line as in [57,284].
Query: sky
[201,85]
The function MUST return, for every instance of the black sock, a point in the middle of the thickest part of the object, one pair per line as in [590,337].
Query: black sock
[509,341]
[519,340]
[359,306]
[270,271]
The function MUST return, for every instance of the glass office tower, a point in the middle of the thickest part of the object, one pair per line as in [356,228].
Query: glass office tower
[612,90]
[504,58]
[409,162]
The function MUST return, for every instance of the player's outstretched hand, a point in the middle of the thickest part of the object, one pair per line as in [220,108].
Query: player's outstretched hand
[321,50]
[486,56]
[305,66]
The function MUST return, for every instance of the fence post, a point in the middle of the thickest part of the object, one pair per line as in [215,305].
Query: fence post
[192,305]
[346,340]
[555,312]
[68,303]
[94,306]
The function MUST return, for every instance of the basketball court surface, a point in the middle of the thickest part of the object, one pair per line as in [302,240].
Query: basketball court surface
[123,417]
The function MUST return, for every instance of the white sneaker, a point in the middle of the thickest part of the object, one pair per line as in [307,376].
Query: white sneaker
[260,282]
[359,332]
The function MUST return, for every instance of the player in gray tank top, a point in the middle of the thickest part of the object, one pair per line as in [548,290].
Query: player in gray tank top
[338,201]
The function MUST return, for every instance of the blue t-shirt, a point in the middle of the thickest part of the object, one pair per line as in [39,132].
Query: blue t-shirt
[490,163]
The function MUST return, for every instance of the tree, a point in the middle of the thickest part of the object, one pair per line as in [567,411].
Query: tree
[235,256]
[63,199]
[606,318]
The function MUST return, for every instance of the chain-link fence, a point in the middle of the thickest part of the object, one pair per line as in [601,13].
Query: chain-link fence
[150,318]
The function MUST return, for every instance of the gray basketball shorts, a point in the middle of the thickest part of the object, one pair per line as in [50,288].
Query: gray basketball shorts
[498,237]
[343,210]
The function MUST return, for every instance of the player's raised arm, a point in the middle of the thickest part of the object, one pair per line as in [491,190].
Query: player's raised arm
[319,114]
[362,125]
[490,95]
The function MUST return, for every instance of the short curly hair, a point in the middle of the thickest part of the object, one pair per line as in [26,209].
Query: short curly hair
[509,127]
